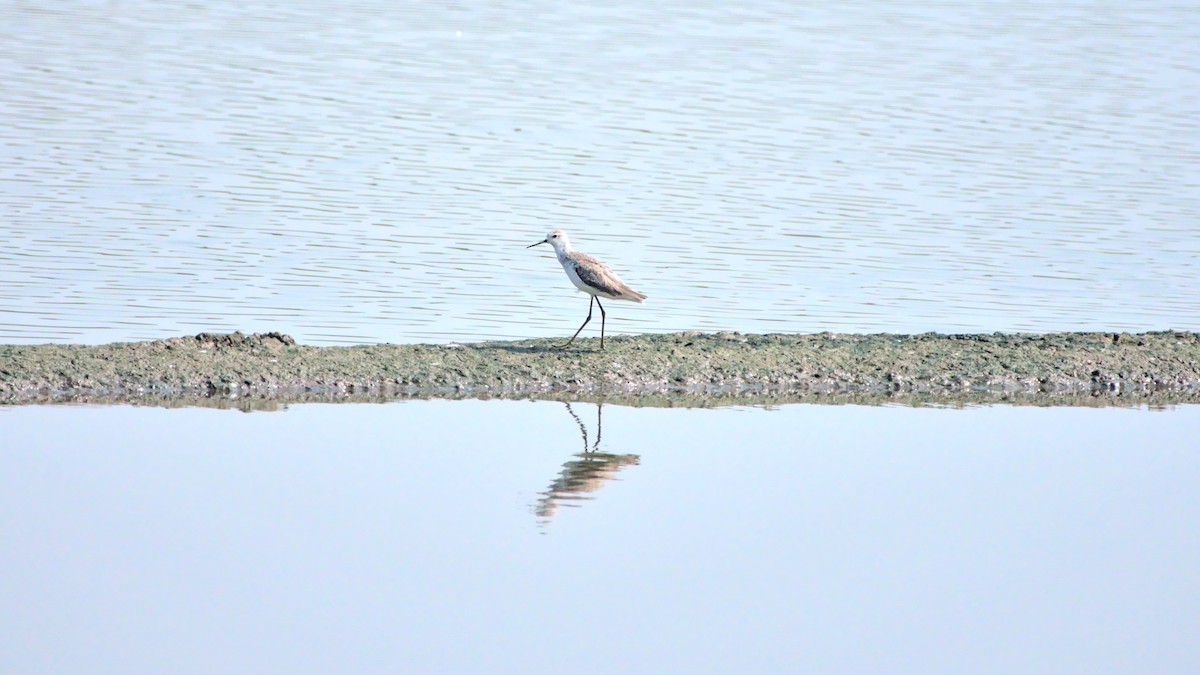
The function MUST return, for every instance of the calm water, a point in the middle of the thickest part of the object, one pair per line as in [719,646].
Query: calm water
[371,171]
[481,537]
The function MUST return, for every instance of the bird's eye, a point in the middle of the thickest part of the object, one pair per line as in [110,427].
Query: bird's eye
[554,236]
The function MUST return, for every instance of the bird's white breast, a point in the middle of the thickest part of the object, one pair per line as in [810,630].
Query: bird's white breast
[568,266]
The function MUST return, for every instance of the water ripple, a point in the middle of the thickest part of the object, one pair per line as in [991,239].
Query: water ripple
[363,174]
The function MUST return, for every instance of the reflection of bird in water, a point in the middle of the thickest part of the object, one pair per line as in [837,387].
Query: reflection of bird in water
[584,473]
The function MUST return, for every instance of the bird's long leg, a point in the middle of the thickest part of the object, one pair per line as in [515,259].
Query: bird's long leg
[602,317]
[585,322]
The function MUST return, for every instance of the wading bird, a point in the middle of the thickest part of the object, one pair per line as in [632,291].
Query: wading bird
[590,276]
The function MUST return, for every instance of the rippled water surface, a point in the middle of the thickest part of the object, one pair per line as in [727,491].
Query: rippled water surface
[496,537]
[371,171]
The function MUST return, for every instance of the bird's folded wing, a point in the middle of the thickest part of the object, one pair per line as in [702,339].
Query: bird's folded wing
[598,276]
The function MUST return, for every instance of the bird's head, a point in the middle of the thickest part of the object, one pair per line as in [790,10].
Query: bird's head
[556,238]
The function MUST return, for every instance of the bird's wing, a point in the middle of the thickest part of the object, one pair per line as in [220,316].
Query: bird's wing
[597,275]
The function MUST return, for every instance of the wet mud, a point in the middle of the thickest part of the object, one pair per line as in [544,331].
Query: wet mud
[661,369]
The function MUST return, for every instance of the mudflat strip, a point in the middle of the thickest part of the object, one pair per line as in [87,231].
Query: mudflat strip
[1157,366]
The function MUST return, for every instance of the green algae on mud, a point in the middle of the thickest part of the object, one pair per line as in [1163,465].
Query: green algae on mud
[272,364]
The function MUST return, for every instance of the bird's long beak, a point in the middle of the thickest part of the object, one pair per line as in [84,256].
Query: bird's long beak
[537,244]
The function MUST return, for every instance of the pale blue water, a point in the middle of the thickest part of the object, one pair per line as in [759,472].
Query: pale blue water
[406,538]
[368,172]
[371,172]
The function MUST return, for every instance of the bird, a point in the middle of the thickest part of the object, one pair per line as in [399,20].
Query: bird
[590,276]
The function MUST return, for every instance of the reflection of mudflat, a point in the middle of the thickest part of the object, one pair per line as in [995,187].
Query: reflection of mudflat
[586,472]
